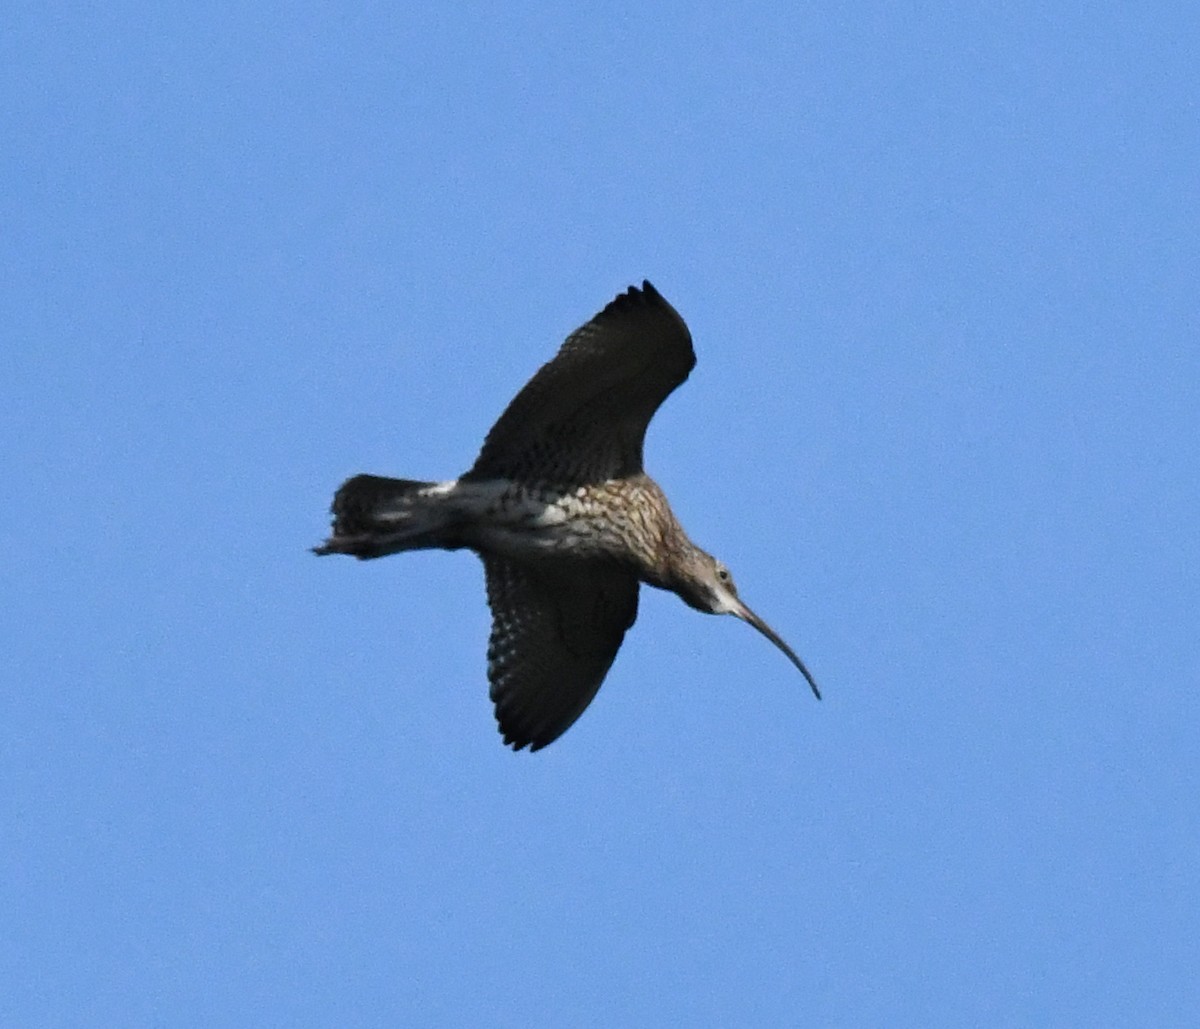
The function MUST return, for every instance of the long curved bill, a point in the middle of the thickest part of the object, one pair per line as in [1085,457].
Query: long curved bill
[746,615]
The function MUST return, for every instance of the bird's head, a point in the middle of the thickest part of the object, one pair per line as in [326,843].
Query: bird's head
[708,586]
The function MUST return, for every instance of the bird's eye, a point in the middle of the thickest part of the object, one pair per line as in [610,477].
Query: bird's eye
[723,573]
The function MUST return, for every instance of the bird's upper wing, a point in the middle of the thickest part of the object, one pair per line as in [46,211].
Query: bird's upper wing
[556,627]
[582,418]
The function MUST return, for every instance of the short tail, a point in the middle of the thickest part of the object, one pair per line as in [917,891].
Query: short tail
[374,515]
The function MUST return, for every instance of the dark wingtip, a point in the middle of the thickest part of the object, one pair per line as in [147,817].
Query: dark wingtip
[518,742]
[646,292]
[645,298]
[635,294]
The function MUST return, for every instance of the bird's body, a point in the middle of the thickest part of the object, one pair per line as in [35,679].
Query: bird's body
[625,521]
[564,517]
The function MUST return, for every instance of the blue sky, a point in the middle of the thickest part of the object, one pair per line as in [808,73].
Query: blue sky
[940,268]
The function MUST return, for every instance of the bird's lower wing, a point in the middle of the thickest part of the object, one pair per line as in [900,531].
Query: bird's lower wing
[556,628]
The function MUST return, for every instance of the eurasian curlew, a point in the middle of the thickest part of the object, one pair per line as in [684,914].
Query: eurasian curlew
[564,517]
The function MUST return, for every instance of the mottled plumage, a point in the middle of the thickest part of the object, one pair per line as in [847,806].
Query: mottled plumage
[564,517]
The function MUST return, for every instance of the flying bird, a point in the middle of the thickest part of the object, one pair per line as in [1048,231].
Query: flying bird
[566,520]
